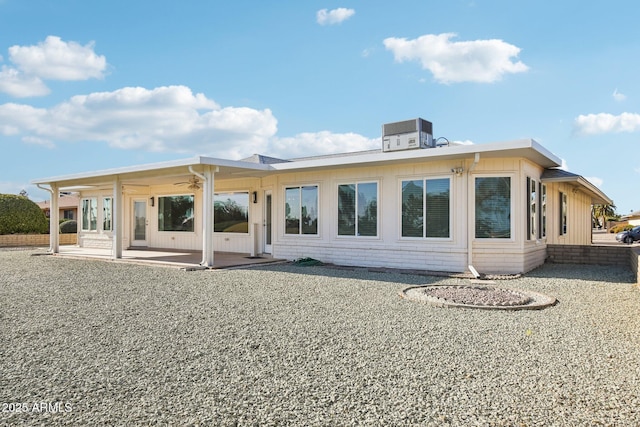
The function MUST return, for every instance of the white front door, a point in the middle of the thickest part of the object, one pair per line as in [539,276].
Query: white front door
[267,221]
[139,223]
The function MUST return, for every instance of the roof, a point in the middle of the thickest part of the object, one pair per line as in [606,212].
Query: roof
[560,175]
[631,215]
[63,202]
[260,165]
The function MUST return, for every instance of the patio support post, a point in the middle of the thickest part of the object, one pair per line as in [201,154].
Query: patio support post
[54,221]
[117,219]
[207,213]
[207,237]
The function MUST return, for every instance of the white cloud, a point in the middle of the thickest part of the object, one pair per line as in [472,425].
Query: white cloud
[19,85]
[618,96]
[483,61]
[55,59]
[319,143]
[162,119]
[334,16]
[593,124]
[595,180]
[170,118]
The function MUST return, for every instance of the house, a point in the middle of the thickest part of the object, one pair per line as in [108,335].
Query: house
[67,207]
[632,218]
[409,205]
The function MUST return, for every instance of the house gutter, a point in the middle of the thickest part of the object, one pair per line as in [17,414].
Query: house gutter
[470,228]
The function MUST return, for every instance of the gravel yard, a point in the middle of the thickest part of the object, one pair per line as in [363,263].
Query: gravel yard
[101,343]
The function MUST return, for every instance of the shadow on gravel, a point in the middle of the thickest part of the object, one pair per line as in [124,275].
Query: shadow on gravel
[362,273]
[590,273]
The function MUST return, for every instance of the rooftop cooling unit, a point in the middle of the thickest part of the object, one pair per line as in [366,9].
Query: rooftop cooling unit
[407,135]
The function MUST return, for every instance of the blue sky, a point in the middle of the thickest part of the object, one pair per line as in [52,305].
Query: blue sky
[88,85]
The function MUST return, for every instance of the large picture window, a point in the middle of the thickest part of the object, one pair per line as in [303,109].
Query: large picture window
[90,214]
[301,210]
[358,209]
[426,208]
[493,207]
[231,212]
[175,213]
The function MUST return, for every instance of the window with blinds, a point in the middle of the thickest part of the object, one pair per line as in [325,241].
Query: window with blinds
[426,208]
[358,209]
[493,207]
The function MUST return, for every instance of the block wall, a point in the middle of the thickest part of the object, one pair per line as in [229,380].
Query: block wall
[21,240]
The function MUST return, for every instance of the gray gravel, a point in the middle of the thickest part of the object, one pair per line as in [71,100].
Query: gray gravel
[122,344]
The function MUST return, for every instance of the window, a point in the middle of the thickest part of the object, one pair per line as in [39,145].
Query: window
[426,208]
[543,210]
[532,201]
[358,209]
[231,212]
[175,213]
[66,214]
[301,210]
[493,207]
[90,214]
[107,207]
[563,213]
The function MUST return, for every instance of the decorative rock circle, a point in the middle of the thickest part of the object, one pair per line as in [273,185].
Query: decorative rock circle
[477,295]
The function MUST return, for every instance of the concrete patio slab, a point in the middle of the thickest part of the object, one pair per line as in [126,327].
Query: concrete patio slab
[168,257]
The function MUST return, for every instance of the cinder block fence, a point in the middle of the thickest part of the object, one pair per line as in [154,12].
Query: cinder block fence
[21,240]
[599,255]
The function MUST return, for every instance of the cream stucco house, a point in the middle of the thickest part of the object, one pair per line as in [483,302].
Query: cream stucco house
[494,206]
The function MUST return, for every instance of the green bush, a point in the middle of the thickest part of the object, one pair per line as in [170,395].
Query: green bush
[19,215]
[69,227]
[620,227]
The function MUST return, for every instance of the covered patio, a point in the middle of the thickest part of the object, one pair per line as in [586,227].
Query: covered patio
[129,209]
[185,259]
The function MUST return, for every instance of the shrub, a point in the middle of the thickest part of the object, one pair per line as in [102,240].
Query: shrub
[620,227]
[18,214]
[69,227]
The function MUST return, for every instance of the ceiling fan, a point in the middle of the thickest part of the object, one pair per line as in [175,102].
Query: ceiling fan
[192,184]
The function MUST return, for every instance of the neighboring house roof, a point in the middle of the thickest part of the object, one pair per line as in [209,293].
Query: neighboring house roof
[560,175]
[632,215]
[64,202]
[259,165]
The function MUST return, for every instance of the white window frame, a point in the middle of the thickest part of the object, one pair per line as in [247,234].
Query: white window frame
[91,199]
[104,203]
[512,207]
[425,178]
[357,235]
[533,209]
[157,213]
[284,199]
[248,193]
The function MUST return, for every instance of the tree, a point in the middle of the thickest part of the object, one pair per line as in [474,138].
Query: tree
[603,212]
[19,215]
